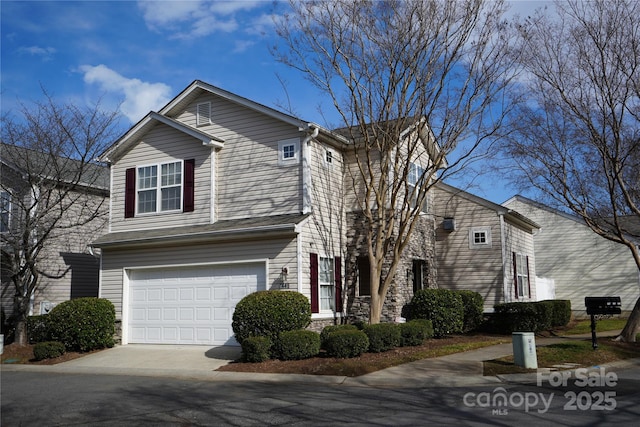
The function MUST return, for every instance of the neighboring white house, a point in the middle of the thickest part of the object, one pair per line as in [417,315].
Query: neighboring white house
[581,263]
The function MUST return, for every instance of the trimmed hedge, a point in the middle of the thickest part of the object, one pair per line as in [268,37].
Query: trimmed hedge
[299,344]
[256,349]
[48,350]
[268,313]
[443,307]
[37,329]
[414,332]
[328,330]
[83,324]
[530,316]
[383,336]
[473,304]
[346,343]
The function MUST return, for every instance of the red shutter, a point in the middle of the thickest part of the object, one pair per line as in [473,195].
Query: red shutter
[515,275]
[528,277]
[189,185]
[130,193]
[315,306]
[338,283]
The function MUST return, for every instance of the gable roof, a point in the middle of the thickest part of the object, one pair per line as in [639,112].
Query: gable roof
[512,215]
[184,98]
[87,174]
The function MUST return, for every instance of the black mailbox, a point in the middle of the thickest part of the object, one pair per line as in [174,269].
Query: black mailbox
[603,305]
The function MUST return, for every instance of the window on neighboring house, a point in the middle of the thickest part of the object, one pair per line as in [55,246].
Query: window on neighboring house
[415,179]
[480,237]
[164,187]
[521,275]
[328,157]
[5,211]
[203,114]
[288,152]
[326,284]
[364,276]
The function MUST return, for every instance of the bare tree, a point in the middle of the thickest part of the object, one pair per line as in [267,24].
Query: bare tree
[576,136]
[52,190]
[418,87]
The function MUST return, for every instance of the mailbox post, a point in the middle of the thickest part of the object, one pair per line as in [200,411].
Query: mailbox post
[601,305]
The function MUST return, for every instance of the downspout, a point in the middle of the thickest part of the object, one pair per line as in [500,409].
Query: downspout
[306,170]
[503,246]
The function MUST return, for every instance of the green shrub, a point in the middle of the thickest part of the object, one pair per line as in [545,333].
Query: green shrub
[256,349]
[545,315]
[83,324]
[442,306]
[299,344]
[414,332]
[268,313]
[48,350]
[561,314]
[328,330]
[346,343]
[473,310]
[383,336]
[515,317]
[37,329]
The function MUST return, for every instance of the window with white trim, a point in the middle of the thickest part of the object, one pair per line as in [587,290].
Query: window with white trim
[480,237]
[415,180]
[203,114]
[521,271]
[326,284]
[5,211]
[328,158]
[167,189]
[288,152]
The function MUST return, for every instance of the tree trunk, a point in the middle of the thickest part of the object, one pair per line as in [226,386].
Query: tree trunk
[21,311]
[375,306]
[630,330]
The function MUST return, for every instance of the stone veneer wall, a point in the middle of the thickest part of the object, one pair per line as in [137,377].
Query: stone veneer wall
[421,246]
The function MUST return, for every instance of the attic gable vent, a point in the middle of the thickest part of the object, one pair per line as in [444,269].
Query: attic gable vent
[203,114]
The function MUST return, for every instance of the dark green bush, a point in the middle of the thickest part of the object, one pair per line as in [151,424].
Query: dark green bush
[561,312]
[299,344]
[414,332]
[268,313]
[442,306]
[83,324]
[346,343]
[545,315]
[383,336]
[473,310]
[48,350]
[256,349]
[515,317]
[328,330]
[37,329]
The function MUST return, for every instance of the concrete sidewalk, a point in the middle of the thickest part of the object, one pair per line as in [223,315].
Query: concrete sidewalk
[201,362]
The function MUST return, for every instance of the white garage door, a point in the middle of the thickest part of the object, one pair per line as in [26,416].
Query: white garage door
[190,305]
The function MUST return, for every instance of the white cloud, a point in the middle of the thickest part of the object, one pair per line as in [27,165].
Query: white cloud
[139,97]
[194,19]
[45,52]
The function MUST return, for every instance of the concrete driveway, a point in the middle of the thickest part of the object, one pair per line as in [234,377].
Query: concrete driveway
[149,359]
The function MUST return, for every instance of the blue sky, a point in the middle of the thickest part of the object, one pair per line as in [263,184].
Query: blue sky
[141,54]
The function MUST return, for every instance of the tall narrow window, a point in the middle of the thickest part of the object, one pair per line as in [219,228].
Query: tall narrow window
[325,281]
[415,180]
[521,275]
[147,189]
[364,276]
[5,211]
[418,275]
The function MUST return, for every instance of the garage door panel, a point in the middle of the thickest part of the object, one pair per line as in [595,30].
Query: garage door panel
[189,305]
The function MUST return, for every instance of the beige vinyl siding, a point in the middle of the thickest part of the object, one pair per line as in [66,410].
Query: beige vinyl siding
[462,268]
[163,144]
[279,252]
[521,242]
[249,181]
[580,262]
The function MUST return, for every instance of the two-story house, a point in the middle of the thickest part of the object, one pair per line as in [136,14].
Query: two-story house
[216,196]
[62,205]
[484,247]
